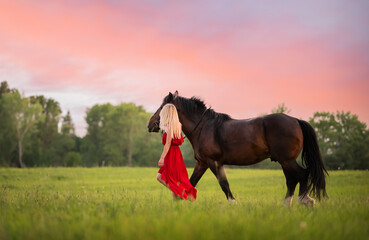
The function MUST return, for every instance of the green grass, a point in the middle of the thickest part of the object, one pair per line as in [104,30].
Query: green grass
[128,203]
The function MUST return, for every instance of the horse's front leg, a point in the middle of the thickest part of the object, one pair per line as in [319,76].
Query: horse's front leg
[219,172]
[198,171]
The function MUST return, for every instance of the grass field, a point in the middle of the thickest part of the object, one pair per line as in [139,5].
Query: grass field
[128,203]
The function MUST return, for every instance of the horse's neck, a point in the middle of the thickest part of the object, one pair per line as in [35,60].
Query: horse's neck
[188,124]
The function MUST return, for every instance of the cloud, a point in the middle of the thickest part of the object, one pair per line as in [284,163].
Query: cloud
[243,58]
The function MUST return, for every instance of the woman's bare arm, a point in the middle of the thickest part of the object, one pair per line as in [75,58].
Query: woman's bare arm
[165,150]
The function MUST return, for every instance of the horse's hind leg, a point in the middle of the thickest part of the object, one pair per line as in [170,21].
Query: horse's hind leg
[291,182]
[304,197]
[294,174]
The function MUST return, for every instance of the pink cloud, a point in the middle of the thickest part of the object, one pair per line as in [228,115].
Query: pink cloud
[134,53]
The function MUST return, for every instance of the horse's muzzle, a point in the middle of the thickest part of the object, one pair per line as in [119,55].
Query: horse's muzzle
[153,129]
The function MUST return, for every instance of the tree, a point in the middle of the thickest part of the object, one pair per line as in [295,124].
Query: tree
[64,146]
[130,125]
[4,89]
[48,128]
[115,142]
[40,151]
[121,132]
[67,128]
[93,142]
[73,159]
[29,131]
[343,140]
[147,146]
[23,115]
[8,141]
[117,135]
[282,108]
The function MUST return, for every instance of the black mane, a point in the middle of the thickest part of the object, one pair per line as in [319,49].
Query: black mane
[195,105]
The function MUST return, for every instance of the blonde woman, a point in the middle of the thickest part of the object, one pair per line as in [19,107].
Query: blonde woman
[173,173]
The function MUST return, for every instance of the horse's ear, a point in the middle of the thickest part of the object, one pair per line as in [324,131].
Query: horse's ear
[170,97]
[176,94]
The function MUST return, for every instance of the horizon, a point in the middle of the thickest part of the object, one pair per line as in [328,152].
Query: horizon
[241,58]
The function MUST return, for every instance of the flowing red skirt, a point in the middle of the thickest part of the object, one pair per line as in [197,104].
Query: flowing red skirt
[174,172]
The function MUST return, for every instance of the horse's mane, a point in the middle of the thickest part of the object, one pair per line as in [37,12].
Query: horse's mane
[195,105]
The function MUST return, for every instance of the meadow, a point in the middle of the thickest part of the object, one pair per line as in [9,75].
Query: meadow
[128,203]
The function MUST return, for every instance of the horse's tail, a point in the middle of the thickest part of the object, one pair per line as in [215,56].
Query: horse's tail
[312,160]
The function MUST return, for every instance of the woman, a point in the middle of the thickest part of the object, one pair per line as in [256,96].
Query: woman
[173,173]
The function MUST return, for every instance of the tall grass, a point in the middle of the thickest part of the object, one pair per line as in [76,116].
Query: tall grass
[128,203]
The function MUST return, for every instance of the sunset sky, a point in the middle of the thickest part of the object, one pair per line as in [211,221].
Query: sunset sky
[241,57]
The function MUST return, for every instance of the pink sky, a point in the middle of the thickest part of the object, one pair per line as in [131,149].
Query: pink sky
[242,57]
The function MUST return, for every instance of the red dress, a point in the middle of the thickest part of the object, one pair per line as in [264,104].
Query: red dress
[174,171]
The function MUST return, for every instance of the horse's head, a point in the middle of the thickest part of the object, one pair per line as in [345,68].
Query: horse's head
[154,121]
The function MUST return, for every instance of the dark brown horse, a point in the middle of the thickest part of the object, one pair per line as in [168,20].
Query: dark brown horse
[219,140]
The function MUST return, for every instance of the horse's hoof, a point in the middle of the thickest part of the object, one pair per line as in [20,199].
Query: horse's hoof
[232,201]
[288,201]
[306,200]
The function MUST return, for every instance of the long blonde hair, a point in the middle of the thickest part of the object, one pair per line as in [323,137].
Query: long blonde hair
[169,121]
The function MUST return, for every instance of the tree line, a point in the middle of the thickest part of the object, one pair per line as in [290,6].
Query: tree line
[34,133]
